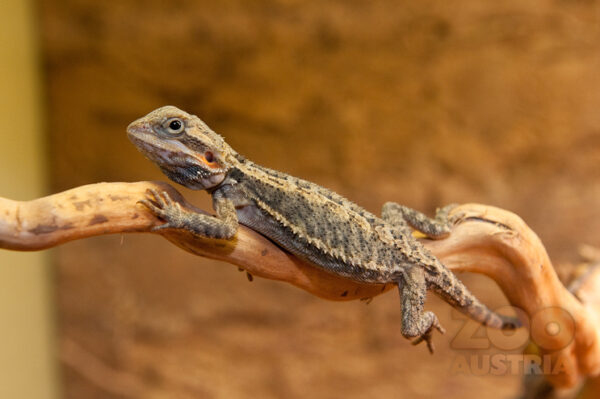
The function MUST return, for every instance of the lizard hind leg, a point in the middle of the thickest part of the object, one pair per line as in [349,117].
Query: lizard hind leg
[402,217]
[416,323]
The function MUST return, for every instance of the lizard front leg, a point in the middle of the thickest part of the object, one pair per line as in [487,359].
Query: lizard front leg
[416,322]
[223,226]
[402,217]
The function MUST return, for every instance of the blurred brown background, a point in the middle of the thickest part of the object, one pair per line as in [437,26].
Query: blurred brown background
[422,103]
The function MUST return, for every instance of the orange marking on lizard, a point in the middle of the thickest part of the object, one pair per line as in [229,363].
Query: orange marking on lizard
[207,159]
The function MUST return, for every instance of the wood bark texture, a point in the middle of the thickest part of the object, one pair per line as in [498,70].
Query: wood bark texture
[484,239]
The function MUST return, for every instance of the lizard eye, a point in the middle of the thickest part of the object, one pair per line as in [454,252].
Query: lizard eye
[174,126]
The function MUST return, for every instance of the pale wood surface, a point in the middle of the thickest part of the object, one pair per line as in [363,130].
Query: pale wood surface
[484,240]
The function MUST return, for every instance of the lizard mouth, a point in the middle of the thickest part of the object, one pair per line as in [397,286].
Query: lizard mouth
[177,161]
[163,151]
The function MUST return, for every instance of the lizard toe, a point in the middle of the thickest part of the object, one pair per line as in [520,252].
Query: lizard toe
[166,198]
[162,227]
[150,205]
[428,340]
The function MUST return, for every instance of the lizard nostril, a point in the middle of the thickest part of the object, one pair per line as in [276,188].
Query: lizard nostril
[209,156]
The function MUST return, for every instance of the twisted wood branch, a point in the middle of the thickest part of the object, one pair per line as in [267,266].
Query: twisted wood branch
[484,240]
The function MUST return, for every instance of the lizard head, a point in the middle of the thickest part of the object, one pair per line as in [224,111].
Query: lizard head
[183,146]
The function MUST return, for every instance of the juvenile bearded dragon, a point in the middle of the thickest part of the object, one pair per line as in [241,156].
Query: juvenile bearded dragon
[305,219]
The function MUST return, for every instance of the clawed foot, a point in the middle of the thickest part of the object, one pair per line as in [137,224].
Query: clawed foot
[163,207]
[427,336]
[443,215]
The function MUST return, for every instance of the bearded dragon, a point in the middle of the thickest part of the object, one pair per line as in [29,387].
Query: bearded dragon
[311,222]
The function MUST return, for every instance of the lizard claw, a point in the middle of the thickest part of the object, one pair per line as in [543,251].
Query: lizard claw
[428,340]
[163,207]
[427,336]
[148,204]
[443,214]
[162,227]
[162,198]
[446,208]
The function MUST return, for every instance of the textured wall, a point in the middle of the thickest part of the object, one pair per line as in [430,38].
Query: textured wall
[423,103]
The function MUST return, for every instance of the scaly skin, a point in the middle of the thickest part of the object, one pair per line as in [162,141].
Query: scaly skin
[309,221]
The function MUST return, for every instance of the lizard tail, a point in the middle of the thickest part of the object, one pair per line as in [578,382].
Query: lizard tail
[444,283]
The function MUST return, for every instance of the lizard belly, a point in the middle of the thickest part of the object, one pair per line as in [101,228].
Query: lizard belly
[252,217]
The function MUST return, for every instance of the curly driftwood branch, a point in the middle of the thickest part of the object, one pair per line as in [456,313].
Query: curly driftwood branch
[484,240]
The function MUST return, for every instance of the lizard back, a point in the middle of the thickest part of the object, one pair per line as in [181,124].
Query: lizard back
[320,225]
